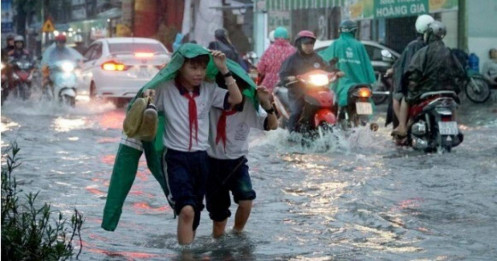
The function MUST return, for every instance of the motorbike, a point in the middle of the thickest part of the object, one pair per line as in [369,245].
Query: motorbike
[359,108]
[250,60]
[384,85]
[476,87]
[474,84]
[63,80]
[319,110]
[22,77]
[433,126]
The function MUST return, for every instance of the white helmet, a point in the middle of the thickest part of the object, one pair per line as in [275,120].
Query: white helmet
[422,23]
[271,36]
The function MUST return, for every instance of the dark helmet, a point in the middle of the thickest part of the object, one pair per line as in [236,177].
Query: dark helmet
[437,29]
[348,26]
[305,34]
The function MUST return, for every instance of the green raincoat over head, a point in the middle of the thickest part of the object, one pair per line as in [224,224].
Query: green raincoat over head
[130,150]
[353,60]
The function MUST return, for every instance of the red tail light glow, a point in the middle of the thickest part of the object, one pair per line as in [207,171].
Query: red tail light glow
[446,118]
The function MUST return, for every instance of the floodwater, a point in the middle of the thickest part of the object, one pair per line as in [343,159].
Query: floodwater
[360,199]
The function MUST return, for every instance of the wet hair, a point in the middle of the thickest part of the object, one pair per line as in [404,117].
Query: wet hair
[201,60]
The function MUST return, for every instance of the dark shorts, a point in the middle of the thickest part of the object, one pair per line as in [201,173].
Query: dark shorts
[226,176]
[186,174]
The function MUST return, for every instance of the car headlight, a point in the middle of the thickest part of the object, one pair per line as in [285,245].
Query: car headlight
[318,79]
[67,67]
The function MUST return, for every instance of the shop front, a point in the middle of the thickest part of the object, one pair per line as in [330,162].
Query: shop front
[390,22]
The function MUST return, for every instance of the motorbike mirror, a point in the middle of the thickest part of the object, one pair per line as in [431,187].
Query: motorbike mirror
[386,56]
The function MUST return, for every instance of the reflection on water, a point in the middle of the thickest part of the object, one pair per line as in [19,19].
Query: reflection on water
[64,125]
[347,196]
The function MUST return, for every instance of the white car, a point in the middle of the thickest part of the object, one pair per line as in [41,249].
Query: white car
[380,65]
[116,68]
[372,48]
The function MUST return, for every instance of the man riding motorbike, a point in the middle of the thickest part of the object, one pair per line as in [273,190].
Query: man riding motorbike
[302,61]
[6,68]
[401,66]
[19,52]
[432,68]
[55,53]
[353,60]
[10,46]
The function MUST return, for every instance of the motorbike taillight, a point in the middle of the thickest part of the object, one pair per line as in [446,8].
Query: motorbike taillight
[446,118]
[364,92]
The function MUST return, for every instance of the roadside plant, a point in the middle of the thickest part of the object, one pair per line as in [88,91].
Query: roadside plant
[30,232]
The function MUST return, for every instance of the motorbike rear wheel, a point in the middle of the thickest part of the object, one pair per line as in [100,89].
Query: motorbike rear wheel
[477,89]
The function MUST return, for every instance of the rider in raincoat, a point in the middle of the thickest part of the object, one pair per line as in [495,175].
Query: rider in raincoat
[130,150]
[58,52]
[353,60]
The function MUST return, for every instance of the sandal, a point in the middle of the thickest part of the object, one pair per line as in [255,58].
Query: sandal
[400,140]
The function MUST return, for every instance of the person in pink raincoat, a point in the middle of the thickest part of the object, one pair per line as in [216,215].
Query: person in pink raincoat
[273,57]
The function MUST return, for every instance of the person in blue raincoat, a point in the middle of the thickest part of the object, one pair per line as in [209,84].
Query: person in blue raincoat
[351,58]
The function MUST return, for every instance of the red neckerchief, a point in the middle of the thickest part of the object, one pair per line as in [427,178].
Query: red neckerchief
[221,127]
[192,109]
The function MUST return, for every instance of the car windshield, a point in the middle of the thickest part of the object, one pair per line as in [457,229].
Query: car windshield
[116,48]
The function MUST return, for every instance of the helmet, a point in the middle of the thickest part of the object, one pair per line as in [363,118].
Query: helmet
[60,38]
[305,34]
[18,38]
[348,26]
[10,37]
[271,36]
[437,28]
[422,23]
[281,32]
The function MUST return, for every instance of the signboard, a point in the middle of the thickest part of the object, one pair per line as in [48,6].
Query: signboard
[7,17]
[443,5]
[399,8]
[370,9]
[48,26]
[279,18]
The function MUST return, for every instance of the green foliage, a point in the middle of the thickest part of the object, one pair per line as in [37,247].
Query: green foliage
[28,232]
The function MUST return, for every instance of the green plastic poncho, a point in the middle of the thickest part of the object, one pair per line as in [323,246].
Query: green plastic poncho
[353,60]
[130,150]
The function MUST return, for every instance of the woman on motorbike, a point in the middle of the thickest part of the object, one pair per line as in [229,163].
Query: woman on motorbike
[302,61]
[270,63]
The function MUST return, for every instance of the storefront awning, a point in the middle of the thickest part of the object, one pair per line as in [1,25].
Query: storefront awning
[288,5]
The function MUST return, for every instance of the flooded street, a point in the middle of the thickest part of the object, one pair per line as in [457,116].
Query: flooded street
[361,199]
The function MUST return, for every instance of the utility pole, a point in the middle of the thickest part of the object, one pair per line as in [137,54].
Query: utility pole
[462,25]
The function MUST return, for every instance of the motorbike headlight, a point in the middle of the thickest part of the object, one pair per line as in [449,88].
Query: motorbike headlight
[3,66]
[67,67]
[318,79]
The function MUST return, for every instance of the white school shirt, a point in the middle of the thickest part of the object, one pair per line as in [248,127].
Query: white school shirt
[175,106]
[237,131]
